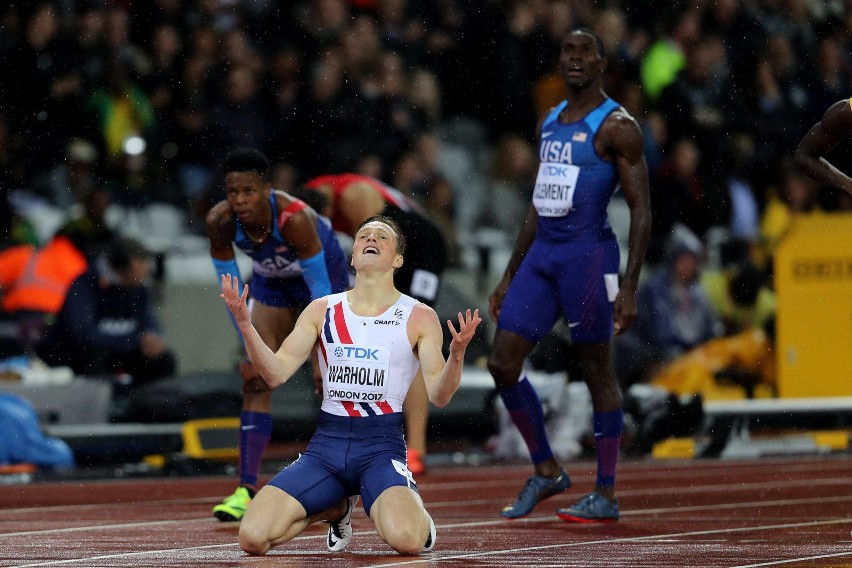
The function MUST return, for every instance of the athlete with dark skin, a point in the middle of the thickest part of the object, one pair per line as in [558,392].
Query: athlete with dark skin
[834,127]
[618,153]
[296,258]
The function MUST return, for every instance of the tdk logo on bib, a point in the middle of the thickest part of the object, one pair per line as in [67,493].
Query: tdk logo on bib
[356,353]
[552,170]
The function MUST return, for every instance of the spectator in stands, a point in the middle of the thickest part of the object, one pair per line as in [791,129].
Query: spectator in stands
[424,93]
[11,164]
[795,194]
[512,173]
[624,45]
[283,91]
[743,227]
[107,324]
[43,100]
[163,79]
[89,231]
[681,194]
[76,176]
[735,22]
[741,365]
[779,103]
[33,286]
[239,118]
[399,121]
[122,111]
[666,56]
[741,295]
[675,313]
[513,47]
[330,141]
[698,102]
[435,191]
[830,75]
[14,229]
[192,134]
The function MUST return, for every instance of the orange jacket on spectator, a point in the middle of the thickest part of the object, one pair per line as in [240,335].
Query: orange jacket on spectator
[38,279]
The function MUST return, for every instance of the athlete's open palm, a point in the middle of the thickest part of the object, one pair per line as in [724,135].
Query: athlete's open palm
[467,327]
[236,300]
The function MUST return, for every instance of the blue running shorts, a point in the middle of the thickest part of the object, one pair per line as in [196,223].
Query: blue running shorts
[577,280]
[289,292]
[348,456]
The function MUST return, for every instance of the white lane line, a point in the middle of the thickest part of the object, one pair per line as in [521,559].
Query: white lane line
[472,555]
[528,520]
[791,560]
[469,524]
[133,525]
[694,490]
[121,505]
[125,555]
[444,486]
[471,502]
[696,471]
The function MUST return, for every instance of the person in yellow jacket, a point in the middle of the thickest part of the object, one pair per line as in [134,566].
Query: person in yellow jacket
[741,365]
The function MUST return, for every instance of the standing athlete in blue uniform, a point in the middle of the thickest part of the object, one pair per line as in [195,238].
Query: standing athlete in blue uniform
[565,263]
[373,340]
[296,258]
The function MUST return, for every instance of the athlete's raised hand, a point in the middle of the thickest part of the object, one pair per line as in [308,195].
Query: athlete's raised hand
[236,301]
[467,327]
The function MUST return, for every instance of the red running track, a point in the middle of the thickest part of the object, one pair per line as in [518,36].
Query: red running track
[709,513]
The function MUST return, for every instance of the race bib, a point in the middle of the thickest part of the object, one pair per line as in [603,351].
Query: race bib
[554,189]
[358,373]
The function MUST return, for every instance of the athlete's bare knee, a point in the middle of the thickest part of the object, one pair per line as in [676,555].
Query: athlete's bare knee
[405,538]
[253,541]
[504,371]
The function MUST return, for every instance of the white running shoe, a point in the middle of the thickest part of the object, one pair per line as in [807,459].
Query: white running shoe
[430,540]
[340,531]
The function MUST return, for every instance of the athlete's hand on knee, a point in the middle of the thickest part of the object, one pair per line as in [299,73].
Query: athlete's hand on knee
[467,327]
[235,301]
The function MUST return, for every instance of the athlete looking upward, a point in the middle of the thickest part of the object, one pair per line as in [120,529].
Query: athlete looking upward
[373,341]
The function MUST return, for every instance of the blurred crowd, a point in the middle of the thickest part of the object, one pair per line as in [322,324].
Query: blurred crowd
[133,102]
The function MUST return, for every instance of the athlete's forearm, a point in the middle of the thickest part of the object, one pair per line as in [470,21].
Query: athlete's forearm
[223,267]
[274,369]
[637,242]
[442,389]
[824,172]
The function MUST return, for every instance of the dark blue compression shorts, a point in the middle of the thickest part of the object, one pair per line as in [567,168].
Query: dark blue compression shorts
[577,280]
[348,456]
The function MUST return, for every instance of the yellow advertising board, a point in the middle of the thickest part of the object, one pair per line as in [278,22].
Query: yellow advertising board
[813,282]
